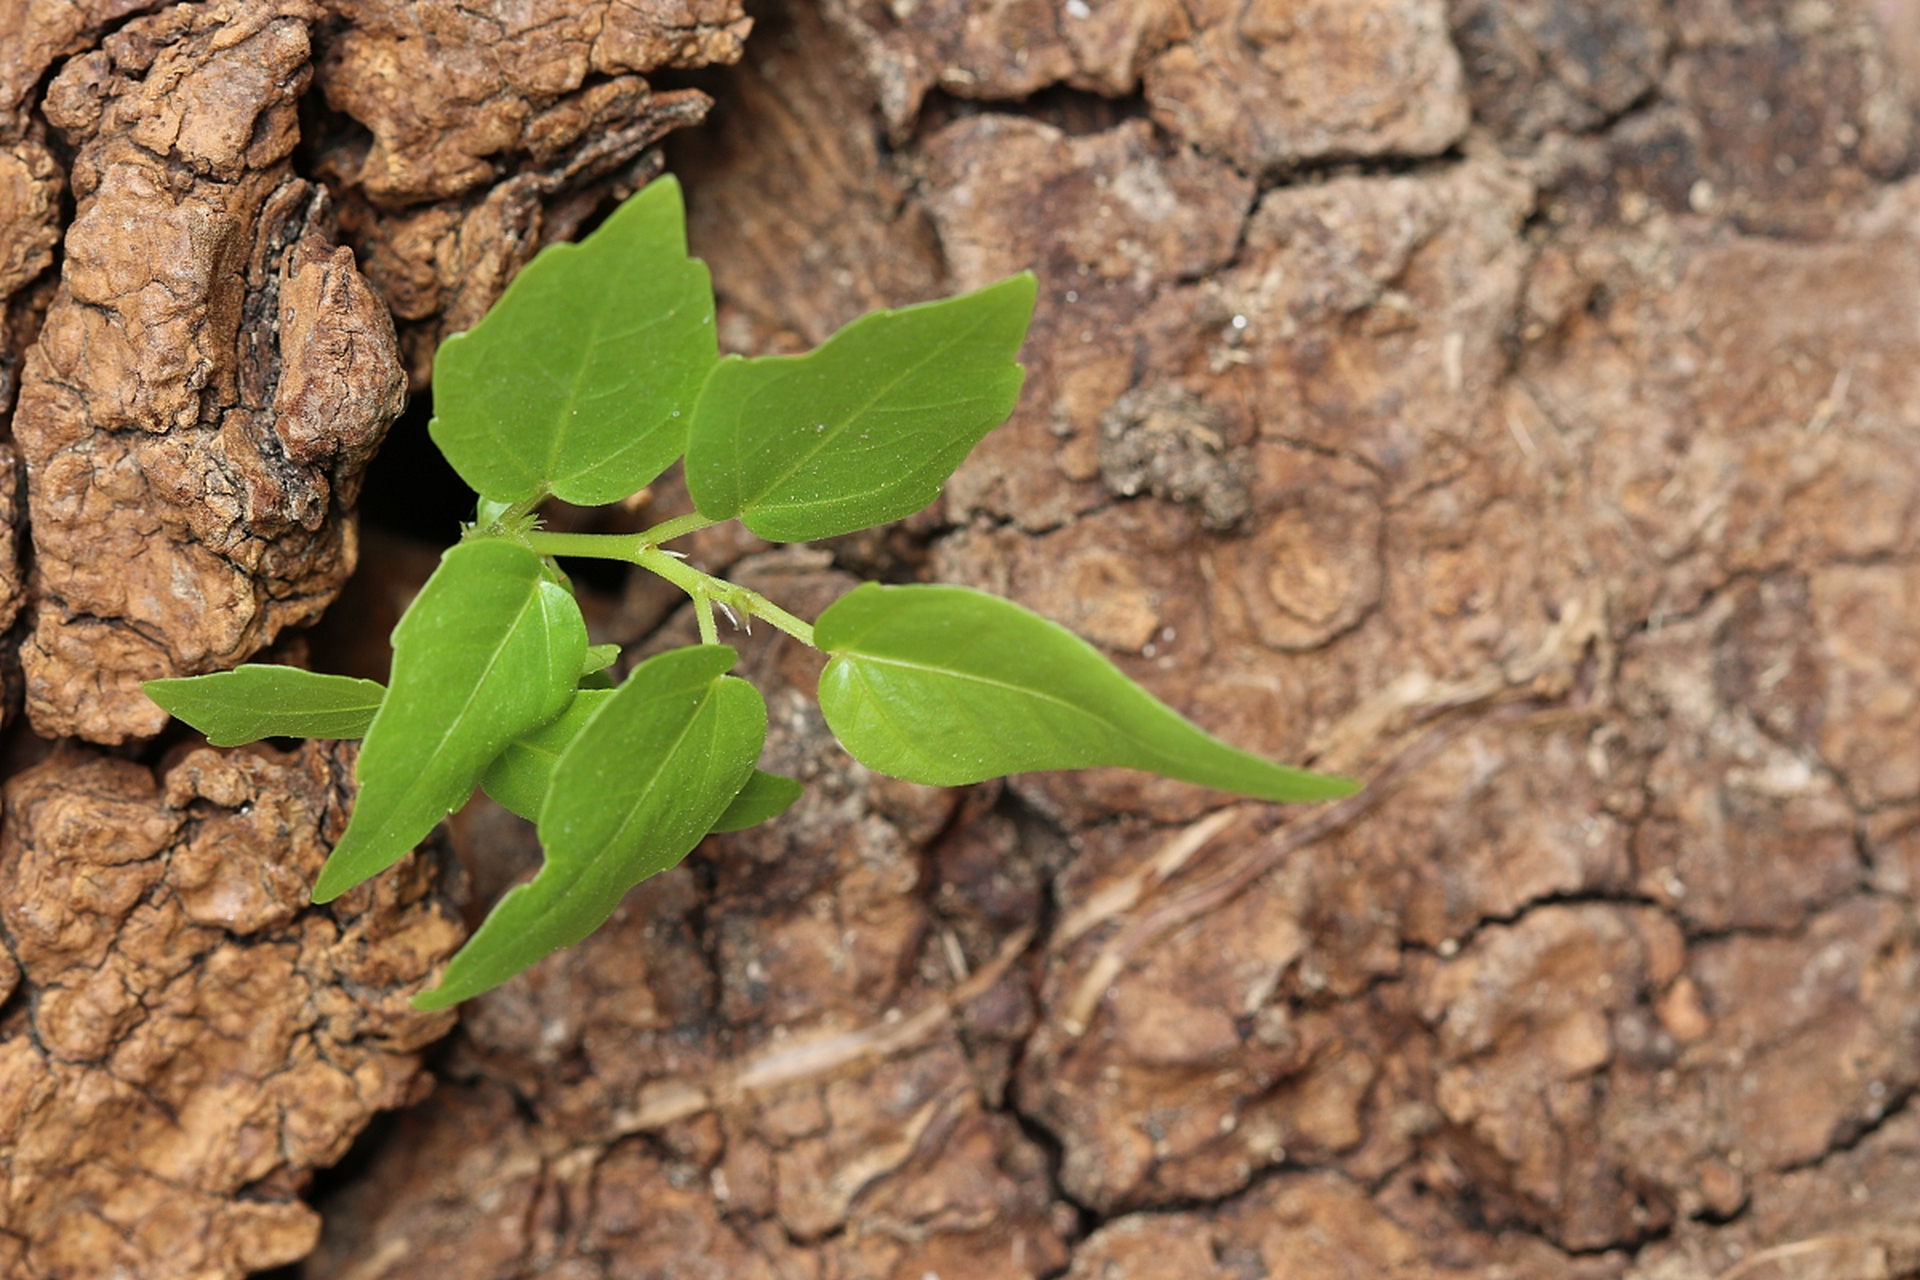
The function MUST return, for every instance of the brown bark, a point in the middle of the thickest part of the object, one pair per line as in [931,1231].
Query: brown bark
[213,372]
[478,134]
[1532,465]
[1508,400]
[209,381]
[194,1039]
[203,374]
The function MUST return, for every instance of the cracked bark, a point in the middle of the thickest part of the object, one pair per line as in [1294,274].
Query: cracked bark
[202,373]
[514,124]
[191,1039]
[211,378]
[1482,396]
[1479,466]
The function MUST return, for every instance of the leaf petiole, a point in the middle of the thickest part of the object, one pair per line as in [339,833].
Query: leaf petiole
[589,546]
[705,589]
[678,527]
[703,614]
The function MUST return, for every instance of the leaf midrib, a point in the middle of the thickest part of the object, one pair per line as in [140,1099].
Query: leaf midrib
[989,682]
[262,723]
[493,661]
[561,437]
[927,475]
[585,863]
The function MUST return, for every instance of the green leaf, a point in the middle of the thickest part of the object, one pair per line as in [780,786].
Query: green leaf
[946,685]
[489,650]
[647,777]
[766,795]
[258,701]
[595,672]
[580,381]
[866,428]
[517,779]
[599,658]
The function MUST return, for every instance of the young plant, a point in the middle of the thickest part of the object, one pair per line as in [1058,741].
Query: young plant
[593,374]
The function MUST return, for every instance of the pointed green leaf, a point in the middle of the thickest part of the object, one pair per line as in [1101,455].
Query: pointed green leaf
[517,779]
[766,795]
[636,790]
[259,701]
[596,672]
[580,381]
[489,650]
[946,685]
[866,428]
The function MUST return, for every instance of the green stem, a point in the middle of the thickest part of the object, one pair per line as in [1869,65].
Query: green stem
[678,527]
[589,546]
[703,614]
[755,605]
[674,570]
[703,588]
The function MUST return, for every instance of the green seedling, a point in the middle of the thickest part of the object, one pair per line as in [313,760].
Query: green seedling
[595,372]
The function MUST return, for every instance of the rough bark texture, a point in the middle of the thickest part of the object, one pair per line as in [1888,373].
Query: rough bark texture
[191,1040]
[210,380]
[468,136]
[213,372]
[1558,472]
[196,374]
[1510,400]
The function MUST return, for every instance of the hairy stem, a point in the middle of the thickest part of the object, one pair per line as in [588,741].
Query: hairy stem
[705,589]
[677,571]
[490,514]
[755,605]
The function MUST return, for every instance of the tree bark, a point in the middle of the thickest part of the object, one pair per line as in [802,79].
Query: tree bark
[1508,401]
